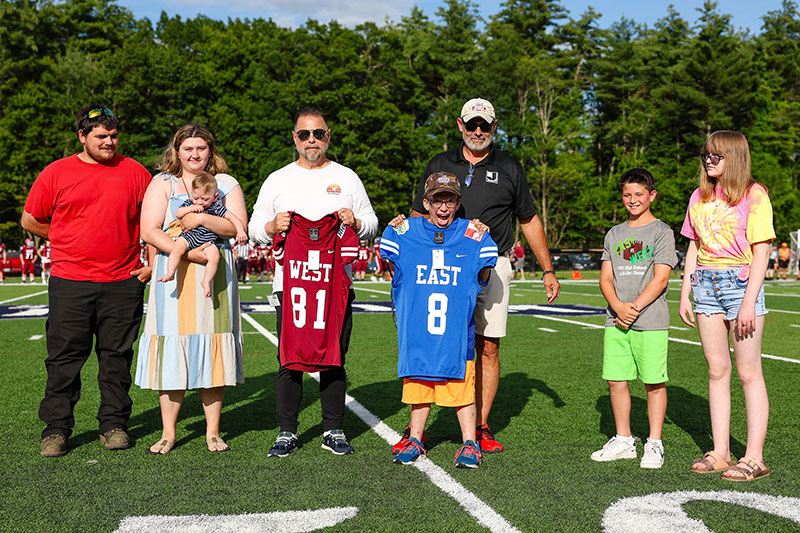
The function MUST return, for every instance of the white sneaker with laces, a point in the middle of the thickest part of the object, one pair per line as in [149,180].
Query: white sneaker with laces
[615,449]
[653,455]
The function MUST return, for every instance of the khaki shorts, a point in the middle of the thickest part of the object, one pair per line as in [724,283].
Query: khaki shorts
[450,393]
[491,309]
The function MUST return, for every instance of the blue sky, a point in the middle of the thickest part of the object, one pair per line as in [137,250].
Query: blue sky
[292,13]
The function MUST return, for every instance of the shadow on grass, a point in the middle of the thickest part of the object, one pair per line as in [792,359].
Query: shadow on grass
[690,413]
[249,406]
[687,411]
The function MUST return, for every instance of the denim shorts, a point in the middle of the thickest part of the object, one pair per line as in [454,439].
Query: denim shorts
[721,291]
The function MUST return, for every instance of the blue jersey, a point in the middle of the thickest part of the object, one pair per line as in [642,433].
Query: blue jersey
[434,288]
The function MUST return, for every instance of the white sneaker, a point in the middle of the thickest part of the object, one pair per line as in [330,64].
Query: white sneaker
[653,455]
[615,449]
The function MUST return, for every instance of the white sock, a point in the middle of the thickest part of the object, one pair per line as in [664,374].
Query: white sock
[654,441]
[626,440]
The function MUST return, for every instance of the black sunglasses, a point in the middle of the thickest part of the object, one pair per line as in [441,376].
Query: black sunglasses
[473,125]
[319,133]
[711,158]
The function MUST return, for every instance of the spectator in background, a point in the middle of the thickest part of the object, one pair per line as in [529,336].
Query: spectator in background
[27,259]
[241,251]
[519,264]
[785,256]
[3,258]
[43,252]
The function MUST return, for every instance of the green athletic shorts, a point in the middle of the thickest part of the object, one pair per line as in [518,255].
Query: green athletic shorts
[631,354]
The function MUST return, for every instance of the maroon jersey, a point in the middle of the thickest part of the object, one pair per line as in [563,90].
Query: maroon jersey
[28,251]
[315,290]
[144,254]
[363,253]
[44,252]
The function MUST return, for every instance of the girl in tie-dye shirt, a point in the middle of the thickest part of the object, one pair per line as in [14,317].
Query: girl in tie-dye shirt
[729,224]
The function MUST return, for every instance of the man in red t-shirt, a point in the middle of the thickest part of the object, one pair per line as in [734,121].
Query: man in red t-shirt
[88,206]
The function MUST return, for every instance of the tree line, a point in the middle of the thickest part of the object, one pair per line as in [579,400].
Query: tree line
[577,104]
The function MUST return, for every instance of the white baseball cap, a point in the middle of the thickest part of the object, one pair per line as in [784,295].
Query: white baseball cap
[478,107]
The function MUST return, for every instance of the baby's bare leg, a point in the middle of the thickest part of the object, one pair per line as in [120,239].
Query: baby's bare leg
[212,261]
[180,248]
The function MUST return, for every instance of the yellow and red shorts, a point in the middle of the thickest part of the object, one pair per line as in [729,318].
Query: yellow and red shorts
[446,393]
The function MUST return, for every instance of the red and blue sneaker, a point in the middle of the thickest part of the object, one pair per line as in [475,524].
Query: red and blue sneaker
[398,447]
[412,451]
[469,456]
[486,440]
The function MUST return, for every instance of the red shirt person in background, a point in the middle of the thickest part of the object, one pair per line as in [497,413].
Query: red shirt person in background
[27,259]
[88,206]
[3,258]
[44,258]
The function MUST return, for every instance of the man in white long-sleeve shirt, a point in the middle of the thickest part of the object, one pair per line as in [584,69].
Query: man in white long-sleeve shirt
[313,186]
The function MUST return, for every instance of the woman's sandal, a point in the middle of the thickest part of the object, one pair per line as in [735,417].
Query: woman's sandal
[164,447]
[711,463]
[745,470]
[215,443]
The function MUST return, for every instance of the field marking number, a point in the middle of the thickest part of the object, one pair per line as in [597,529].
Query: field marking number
[664,512]
[283,521]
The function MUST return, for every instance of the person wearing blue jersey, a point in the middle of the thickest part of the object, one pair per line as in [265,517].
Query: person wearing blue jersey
[440,263]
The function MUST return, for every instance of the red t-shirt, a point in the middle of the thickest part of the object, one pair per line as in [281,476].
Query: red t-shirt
[315,290]
[94,216]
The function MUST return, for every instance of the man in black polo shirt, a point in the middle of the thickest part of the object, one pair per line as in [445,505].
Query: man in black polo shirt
[494,189]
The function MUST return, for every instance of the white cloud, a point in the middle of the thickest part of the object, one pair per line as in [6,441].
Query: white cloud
[297,12]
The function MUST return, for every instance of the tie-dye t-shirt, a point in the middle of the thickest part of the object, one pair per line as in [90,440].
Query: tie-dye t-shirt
[726,232]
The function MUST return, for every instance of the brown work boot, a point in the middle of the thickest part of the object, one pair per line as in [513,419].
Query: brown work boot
[115,439]
[54,445]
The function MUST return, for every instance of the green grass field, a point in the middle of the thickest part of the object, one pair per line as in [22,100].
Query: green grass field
[551,412]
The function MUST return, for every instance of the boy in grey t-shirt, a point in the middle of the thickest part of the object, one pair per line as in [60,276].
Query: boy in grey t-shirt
[638,256]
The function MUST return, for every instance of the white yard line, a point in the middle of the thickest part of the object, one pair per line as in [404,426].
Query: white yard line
[673,339]
[485,515]
[23,297]
[261,329]
[356,287]
[549,330]
[672,301]
[779,294]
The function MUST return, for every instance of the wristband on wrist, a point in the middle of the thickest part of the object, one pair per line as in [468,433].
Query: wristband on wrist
[546,272]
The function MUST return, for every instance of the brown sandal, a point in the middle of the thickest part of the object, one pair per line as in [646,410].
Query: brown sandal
[711,463]
[164,447]
[216,442]
[749,471]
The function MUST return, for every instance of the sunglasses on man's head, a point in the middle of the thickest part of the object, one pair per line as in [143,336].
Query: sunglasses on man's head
[94,113]
[319,134]
[473,125]
[711,158]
